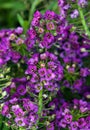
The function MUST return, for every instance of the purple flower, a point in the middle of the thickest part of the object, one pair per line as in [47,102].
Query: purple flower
[74,14]
[66,46]
[37,15]
[35,78]
[47,41]
[19,30]
[74,125]
[35,22]
[21,89]
[15,107]
[19,112]
[77,84]
[49,15]
[51,65]
[49,37]
[82,3]
[62,14]
[38,87]
[83,106]
[20,121]
[50,86]
[31,69]
[32,118]
[19,41]
[29,105]
[42,72]
[31,33]
[30,43]
[13,101]
[73,38]
[84,72]
[49,75]
[44,44]
[61,3]
[2,33]
[88,121]
[81,123]
[66,112]
[52,57]
[62,123]
[50,26]
[15,56]
[40,30]
[43,56]
[5,110]
[68,119]
[71,70]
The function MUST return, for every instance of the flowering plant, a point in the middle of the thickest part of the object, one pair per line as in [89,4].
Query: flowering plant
[44,74]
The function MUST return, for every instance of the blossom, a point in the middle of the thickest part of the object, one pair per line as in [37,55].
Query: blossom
[49,38]
[74,14]
[43,76]
[74,125]
[50,26]
[82,3]
[37,15]
[19,121]
[19,30]
[68,119]
[21,89]
[31,33]
[49,15]
[5,110]
[81,123]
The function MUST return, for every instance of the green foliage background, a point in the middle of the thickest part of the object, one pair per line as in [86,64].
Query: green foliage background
[14,13]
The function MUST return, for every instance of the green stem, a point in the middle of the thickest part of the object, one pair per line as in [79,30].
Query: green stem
[40,103]
[83,21]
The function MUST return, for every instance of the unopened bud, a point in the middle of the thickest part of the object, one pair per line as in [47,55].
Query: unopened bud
[47,123]
[74,65]
[67,67]
[83,50]
[45,95]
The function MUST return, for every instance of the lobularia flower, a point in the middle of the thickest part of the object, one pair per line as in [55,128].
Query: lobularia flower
[74,14]
[82,3]
[46,71]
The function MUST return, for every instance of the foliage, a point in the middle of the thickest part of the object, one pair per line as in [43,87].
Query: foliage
[20,12]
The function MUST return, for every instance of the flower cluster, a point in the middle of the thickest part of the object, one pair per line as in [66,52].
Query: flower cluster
[75,115]
[68,8]
[44,70]
[48,82]
[20,109]
[7,40]
[43,30]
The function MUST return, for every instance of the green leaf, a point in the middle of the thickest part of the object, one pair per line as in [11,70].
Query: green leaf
[16,5]
[22,22]
[3,125]
[20,19]
[1,121]
[33,8]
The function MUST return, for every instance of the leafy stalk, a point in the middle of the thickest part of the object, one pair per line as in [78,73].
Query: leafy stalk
[40,105]
[83,21]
